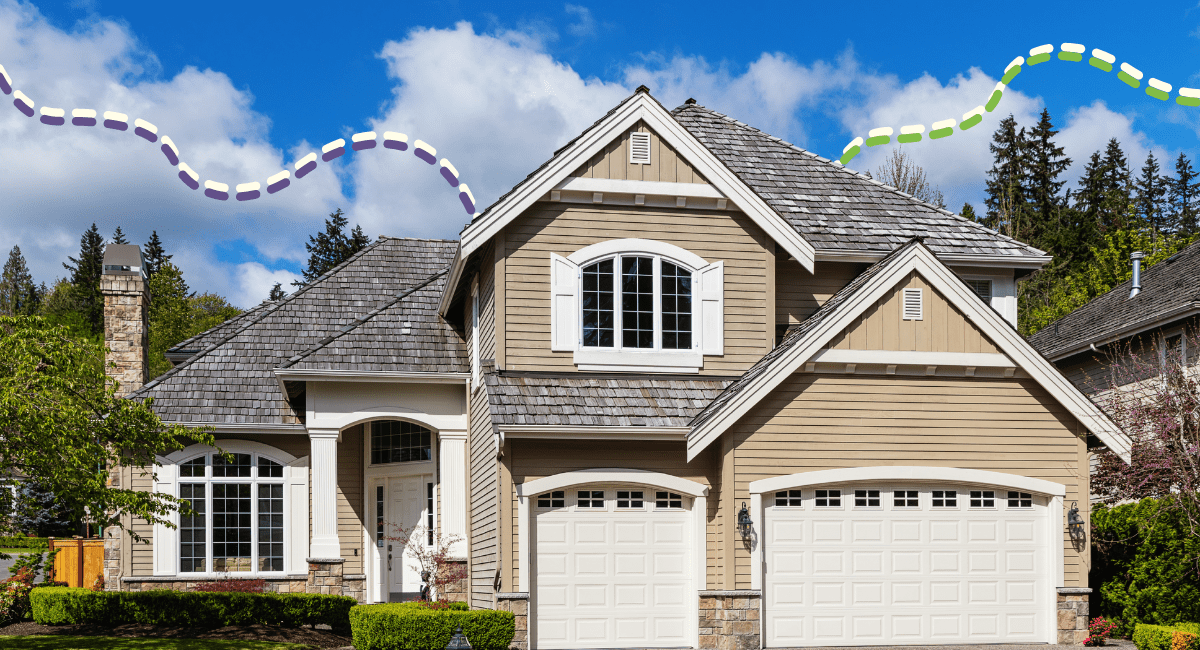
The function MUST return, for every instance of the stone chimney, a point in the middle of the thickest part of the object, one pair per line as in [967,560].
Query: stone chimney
[126,316]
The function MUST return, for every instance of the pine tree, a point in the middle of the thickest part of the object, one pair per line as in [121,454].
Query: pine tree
[119,237]
[1182,190]
[330,248]
[85,278]
[170,315]
[1046,162]
[154,254]
[277,292]
[1151,189]
[19,295]
[968,212]
[1114,210]
[1007,190]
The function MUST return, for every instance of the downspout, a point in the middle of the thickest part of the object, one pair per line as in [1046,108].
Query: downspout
[1137,273]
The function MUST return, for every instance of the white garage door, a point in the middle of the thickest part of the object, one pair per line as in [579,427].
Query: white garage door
[879,565]
[613,569]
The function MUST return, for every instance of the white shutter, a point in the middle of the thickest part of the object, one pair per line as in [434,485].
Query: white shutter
[165,542]
[710,308]
[295,540]
[564,310]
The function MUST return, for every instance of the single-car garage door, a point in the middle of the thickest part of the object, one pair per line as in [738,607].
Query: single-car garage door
[613,569]
[906,564]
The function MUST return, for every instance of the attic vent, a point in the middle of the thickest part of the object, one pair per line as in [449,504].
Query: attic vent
[639,148]
[913,304]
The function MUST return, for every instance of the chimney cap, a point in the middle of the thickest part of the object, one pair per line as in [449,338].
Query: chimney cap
[124,259]
[642,89]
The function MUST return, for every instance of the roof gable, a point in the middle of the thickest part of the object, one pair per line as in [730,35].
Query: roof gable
[847,306]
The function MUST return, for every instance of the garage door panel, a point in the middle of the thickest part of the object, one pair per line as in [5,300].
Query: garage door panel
[983,562]
[868,628]
[983,593]
[1019,562]
[906,531]
[589,532]
[868,562]
[591,564]
[906,562]
[868,593]
[591,596]
[828,562]
[828,531]
[630,533]
[630,564]
[906,593]
[829,593]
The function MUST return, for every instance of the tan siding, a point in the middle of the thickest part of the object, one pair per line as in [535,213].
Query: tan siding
[943,328]
[350,498]
[665,163]
[482,466]
[799,293]
[727,236]
[814,422]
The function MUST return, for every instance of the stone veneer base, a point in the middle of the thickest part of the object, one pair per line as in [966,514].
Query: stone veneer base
[1073,615]
[729,620]
[518,604]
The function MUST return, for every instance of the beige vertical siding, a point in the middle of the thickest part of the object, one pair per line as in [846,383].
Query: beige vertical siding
[561,229]
[815,422]
[350,488]
[799,293]
[534,459]
[666,165]
[483,478]
[942,328]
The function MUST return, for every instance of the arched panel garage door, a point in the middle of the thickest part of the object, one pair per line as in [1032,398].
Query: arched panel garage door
[920,564]
[613,568]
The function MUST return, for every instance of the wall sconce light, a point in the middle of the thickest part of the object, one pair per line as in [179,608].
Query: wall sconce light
[1075,523]
[745,524]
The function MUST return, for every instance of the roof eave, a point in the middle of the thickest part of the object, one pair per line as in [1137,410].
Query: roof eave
[448,291]
[300,374]
[1192,309]
[1032,262]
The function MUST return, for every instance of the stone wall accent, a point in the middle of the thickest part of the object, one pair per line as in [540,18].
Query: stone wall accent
[325,576]
[354,585]
[112,560]
[729,620]
[456,591]
[126,329]
[1073,615]
[518,604]
[286,585]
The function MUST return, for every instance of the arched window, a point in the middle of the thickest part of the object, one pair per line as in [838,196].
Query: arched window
[238,521]
[398,441]
[637,301]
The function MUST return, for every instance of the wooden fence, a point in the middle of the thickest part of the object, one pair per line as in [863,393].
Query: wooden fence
[79,561]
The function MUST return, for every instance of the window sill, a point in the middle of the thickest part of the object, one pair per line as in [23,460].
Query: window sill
[683,361]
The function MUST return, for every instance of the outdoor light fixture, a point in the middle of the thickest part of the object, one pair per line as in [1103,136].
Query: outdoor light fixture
[458,641]
[1074,521]
[745,524]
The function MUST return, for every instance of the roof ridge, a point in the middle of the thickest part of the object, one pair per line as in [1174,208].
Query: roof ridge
[241,314]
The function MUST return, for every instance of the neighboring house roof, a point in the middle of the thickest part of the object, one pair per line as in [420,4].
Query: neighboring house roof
[232,380]
[803,342]
[838,210]
[1170,291]
[548,399]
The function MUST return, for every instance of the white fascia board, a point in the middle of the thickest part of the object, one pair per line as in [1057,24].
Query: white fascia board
[903,473]
[611,475]
[359,375]
[639,107]
[648,188]
[448,289]
[549,431]
[909,358]
[941,278]
[952,259]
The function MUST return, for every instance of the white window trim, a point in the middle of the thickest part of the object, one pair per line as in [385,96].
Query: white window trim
[1004,295]
[475,335]
[412,467]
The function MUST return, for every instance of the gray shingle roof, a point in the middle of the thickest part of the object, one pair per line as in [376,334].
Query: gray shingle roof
[835,208]
[231,381]
[1169,288]
[209,336]
[534,399]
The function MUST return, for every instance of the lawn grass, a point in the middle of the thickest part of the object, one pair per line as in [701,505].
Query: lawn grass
[55,642]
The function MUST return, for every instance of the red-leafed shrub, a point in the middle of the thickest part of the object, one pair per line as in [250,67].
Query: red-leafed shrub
[240,586]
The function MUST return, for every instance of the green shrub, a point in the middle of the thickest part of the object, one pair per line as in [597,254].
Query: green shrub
[23,542]
[1158,637]
[410,626]
[65,605]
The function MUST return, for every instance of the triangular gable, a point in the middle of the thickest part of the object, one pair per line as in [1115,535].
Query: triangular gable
[640,107]
[875,284]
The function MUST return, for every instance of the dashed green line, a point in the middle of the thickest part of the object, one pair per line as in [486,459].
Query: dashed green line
[1070,56]
[1040,58]
[1099,63]
[1130,81]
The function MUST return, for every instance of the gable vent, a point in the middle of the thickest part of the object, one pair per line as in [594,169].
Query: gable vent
[639,148]
[913,304]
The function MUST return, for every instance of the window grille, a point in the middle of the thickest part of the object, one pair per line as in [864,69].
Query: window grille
[829,498]
[788,498]
[667,500]
[866,498]
[983,499]
[591,499]
[1020,500]
[555,499]
[629,498]
[905,499]
[945,499]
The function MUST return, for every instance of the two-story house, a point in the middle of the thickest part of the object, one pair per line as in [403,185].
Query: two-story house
[686,385]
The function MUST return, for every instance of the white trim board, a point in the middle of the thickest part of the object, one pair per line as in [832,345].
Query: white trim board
[552,431]
[648,188]
[916,258]
[908,473]
[360,375]
[632,246]
[906,358]
[612,475]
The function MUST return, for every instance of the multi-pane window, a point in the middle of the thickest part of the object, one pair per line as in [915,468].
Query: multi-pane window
[655,299]
[945,499]
[238,516]
[787,498]
[379,516]
[667,500]
[555,499]
[1020,500]
[397,441]
[983,499]
[831,498]
[591,498]
[981,288]
[630,498]
[866,498]
[905,499]
[429,514]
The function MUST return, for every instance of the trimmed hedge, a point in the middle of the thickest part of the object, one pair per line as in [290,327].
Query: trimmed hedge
[67,605]
[23,542]
[410,626]
[1159,637]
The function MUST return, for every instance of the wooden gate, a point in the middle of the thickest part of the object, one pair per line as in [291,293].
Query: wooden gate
[79,561]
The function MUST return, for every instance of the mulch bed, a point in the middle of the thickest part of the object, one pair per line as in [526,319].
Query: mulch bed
[316,638]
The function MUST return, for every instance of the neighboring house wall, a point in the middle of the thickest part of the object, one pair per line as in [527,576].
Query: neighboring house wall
[563,229]
[665,164]
[821,421]
[484,474]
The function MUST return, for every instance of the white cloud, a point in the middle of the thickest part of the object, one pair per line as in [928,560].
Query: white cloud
[1089,129]
[254,282]
[586,25]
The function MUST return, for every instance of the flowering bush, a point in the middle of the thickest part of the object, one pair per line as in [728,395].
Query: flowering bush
[1099,631]
[438,567]
[14,597]
[241,586]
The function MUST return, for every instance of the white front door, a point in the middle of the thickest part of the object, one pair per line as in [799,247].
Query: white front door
[853,565]
[405,507]
[613,569]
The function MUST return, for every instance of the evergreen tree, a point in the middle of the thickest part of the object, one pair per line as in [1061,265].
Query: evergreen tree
[154,254]
[119,237]
[85,278]
[332,247]
[1046,162]
[1007,189]
[19,296]
[1182,190]
[1151,190]
[277,292]
[1114,211]
[968,212]
[170,315]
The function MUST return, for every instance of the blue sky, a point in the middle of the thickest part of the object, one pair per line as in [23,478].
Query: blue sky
[246,88]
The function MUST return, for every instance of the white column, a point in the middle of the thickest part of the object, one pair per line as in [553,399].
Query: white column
[325,544]
[454,488]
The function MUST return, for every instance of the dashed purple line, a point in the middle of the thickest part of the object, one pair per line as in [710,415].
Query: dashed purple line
[90,121]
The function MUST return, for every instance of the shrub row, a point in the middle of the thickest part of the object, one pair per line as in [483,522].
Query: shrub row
[23,542]
[67,605]
[1167,637]
[412,626]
